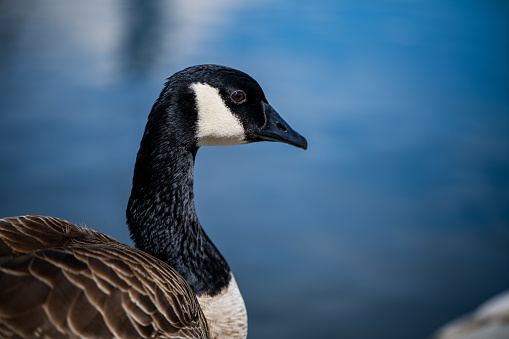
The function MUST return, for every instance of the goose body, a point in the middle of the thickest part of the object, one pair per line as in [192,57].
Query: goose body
[60,280]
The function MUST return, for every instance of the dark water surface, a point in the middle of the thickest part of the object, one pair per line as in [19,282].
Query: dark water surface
[394,221]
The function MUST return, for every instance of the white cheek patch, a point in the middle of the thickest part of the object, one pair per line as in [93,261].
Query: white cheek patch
[216,123]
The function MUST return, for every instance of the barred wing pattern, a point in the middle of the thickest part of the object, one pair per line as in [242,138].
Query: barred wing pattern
[59,280]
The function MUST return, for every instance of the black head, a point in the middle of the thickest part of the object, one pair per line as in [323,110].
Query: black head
[226,107]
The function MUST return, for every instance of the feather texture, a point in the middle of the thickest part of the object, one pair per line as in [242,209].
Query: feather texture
[105,289]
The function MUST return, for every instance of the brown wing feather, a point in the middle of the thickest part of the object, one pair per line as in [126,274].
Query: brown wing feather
[59,280]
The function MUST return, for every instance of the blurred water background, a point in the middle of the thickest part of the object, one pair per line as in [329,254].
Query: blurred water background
[393,222]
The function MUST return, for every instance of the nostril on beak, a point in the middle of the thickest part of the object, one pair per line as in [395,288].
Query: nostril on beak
[281,127]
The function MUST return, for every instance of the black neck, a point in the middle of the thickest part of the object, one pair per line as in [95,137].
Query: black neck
[161,214]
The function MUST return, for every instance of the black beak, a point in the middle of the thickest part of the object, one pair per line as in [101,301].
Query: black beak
[276,129]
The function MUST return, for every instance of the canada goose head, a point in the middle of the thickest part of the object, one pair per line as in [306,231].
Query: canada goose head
[223,106]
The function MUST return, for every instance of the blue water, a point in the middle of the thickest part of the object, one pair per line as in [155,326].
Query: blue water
[393,222]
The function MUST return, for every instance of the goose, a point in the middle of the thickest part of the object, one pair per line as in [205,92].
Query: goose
[60,280]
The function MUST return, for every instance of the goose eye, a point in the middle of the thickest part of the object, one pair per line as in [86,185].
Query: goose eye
[238,97]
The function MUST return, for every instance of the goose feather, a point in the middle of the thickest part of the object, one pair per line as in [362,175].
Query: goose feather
[109,287]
